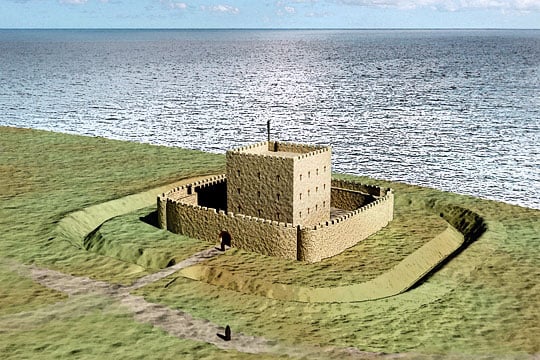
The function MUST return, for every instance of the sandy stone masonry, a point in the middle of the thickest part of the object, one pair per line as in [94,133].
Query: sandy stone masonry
[276,199]
[280,181]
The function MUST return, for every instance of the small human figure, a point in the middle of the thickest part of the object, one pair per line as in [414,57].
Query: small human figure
[227,336]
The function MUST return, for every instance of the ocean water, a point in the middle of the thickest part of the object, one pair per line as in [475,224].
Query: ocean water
[454,110]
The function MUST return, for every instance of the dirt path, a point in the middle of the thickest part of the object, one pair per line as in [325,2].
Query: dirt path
[182,324]
[193,260]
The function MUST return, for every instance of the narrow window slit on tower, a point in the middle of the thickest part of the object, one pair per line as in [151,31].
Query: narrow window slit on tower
[278,196]
[238,189]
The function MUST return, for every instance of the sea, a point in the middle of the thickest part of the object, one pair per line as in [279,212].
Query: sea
[456,110]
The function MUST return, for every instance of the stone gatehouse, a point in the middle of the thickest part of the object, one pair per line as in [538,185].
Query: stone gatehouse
[278,199]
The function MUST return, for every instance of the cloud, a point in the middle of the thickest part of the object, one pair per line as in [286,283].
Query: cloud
[221,8]
[73,2]
[448,5]
[178,5]
[174,4]
[315,14]
[289,9]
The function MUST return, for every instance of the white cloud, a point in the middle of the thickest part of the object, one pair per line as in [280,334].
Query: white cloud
[178,5]
[449,5]
[174,4]
[289,9]
[315,14]
[73,2]
[221,8]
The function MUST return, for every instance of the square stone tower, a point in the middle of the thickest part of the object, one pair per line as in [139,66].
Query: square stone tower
[280,181]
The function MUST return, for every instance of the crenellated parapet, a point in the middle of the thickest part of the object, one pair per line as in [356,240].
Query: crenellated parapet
[274,148]
[356,186]
[335,236]
[247,232]
[179,213]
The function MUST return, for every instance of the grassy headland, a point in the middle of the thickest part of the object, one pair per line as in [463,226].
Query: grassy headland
[483,302]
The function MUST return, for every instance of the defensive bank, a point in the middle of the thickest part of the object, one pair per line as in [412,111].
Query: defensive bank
[278,199]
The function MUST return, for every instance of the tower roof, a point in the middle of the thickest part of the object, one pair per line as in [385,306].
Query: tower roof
[281,149]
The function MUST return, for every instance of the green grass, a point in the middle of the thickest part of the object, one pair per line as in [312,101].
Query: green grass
[19,293]
[131,240]
[482,302]
[94,328]
[46,176]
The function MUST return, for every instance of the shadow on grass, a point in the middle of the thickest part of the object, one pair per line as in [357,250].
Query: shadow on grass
[468,223]
[150,219]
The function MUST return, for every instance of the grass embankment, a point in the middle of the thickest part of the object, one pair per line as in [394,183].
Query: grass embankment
[128,238]
[485,301]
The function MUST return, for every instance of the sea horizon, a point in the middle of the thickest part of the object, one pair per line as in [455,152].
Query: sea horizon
[452,109]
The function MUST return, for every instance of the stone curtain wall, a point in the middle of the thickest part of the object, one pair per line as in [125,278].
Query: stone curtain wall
[212,195]
[350,200]
[260,185]
[367,189]
[335,236]
[179,212]
[249,233]
[188,194]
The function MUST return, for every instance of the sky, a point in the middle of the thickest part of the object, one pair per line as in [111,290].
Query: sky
[521,14]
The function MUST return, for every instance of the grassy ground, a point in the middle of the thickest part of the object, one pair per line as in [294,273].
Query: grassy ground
[483,302]
[95,328]
[45,176]
[131,240]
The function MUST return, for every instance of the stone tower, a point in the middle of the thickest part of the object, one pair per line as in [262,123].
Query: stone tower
[280,181]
